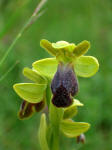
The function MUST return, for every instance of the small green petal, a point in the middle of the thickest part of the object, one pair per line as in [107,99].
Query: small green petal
[48,47]
[46,67]
[34,76]
[71,111]
[86,66]
[81,48]
[73,129]
[31,92]
[42,133]
[63,44]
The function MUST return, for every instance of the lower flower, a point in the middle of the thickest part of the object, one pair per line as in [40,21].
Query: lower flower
[27,109]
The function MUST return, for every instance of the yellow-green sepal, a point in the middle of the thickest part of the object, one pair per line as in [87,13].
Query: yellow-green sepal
[46,67]
[72,110]
[42,133]
[86,66]
[34,76]
[73,129]
[48,47]
[81,48]
[31,92]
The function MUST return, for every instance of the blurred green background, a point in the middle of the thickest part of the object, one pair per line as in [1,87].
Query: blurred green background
[68,20]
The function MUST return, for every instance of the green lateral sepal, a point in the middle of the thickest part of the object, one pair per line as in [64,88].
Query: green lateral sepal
[31,92]
[48,47]
[81,48]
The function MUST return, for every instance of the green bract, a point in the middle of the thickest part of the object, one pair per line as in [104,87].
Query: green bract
[42,133]
[71,111]
[72,129]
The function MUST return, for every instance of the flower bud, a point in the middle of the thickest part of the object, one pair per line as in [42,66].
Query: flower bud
[64,85]
[81,138]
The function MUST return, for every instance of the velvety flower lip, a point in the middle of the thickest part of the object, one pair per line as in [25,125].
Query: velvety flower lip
[28,109]
[64,85]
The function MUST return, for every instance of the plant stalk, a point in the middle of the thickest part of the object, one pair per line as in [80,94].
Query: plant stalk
[31,20]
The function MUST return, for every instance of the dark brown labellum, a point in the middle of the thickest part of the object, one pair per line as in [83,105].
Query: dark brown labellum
[64,85]
[39,106]
[26,110]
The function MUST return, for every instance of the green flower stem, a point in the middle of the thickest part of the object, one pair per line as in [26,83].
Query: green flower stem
[55,116]
[55,144]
